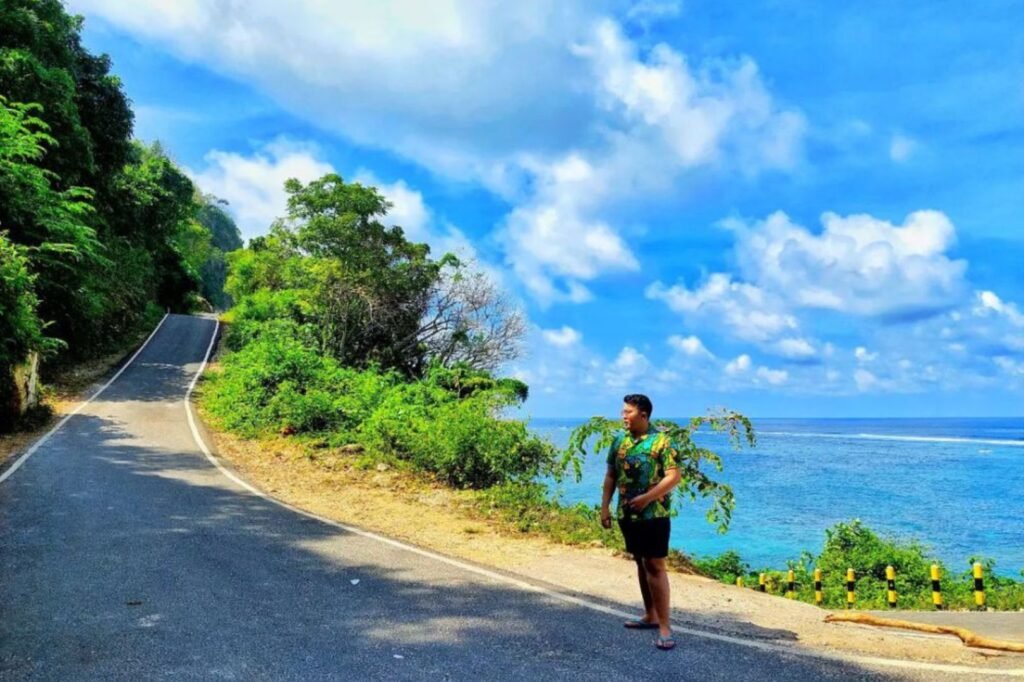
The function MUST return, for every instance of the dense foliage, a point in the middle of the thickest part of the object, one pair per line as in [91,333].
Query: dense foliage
[101,232]
[345,331]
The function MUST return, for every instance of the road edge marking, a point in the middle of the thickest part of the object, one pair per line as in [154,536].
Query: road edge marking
[39,443]
[560,596]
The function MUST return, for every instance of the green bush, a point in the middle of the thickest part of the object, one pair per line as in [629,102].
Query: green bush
[277,383]
[854,545]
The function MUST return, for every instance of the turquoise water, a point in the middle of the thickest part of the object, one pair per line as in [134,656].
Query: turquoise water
[955,484]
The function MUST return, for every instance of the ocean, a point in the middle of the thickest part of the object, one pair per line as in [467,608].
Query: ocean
[957,485]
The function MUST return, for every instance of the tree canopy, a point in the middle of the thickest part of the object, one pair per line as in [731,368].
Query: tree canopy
[100,232]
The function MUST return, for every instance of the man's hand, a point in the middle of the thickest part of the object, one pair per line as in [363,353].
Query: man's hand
[606,517]
[638,503]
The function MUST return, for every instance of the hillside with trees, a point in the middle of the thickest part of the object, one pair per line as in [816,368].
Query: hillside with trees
[99,232]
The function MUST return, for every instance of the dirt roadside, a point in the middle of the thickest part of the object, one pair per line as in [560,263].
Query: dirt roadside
[405,507]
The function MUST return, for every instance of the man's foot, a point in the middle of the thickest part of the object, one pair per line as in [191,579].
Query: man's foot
[640,624]
[665,642]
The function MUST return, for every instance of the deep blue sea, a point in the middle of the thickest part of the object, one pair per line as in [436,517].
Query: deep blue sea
[955,484]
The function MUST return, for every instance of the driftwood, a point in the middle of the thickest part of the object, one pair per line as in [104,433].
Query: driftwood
[966,636]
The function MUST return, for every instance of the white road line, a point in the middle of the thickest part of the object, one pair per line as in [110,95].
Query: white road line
[559,596]
[39,443]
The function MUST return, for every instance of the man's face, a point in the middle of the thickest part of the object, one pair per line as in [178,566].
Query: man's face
[632,418]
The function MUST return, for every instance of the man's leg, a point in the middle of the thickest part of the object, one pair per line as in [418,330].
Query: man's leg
[657,583]
[650,615]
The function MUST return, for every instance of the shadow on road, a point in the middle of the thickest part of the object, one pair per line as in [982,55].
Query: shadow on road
[137,560]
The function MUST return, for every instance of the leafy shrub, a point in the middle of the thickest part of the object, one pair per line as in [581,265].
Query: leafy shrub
[277,382]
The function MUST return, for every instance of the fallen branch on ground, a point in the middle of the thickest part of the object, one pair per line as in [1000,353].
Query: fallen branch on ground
[966,636]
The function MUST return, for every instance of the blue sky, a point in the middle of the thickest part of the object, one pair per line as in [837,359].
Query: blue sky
[786,209]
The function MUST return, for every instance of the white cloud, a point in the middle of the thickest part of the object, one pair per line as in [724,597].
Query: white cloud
[550,105]
[864,380]
[863,354]
[1013,368]
[701,114]
[859,264]
[563,338]
[628,367]
[452,84]
[901,147]
[775,377]
[988,303]
[795,348]
[254,185]
[718,115]
[739,365]
[553,234]
[746,310]
[690,345]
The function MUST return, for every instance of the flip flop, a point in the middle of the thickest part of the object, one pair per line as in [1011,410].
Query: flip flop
[639,624]
[665,643]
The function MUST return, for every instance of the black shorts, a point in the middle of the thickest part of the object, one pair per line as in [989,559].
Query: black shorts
[646,538]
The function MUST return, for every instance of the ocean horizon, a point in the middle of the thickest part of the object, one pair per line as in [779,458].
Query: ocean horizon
[954,484]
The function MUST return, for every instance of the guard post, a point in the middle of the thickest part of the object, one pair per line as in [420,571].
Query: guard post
[818,596]
[790,584]
[979,586]
[890,584]
[936,587]
[851,588]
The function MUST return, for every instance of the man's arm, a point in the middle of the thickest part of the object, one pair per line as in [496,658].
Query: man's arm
[606,497]
[665,485]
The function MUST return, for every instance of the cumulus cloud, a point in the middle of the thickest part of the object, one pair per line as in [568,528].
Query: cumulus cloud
[988,303]
[795,348]
[629,366]
[858,264]
[700,114]
[691,346]
[748,311]
[738,365]
[563,338]
[254,185]
[456,84]
[556,239]
[452,83]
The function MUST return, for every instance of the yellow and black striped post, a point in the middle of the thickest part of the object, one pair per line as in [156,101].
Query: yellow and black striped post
[790,584]
[818,596]
[851,588]
[979,586]
[936,587]
[890,584]
[761,580]
[739,581]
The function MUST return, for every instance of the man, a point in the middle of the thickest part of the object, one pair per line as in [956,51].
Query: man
[644,466]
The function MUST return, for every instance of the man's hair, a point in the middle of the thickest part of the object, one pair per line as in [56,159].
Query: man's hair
[640,402]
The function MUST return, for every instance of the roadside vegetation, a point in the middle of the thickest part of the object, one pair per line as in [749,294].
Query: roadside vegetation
[854,545]
[99,233]
[358,343]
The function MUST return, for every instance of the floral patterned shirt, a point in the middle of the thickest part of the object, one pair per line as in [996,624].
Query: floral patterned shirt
[639,464]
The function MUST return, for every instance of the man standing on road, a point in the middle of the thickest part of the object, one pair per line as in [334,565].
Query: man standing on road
[643,465]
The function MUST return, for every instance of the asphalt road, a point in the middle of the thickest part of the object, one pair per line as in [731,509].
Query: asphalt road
[125,554]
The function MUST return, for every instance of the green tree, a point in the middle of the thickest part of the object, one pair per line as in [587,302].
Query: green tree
[371,285]
[694,458]
[224,238]
[21,330]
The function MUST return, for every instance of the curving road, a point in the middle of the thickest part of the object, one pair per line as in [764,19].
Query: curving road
[126,554]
